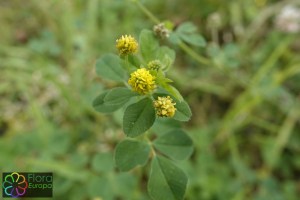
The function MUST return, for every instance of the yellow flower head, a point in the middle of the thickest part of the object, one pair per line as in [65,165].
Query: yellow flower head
[165,107]
[142,81]
[127,45]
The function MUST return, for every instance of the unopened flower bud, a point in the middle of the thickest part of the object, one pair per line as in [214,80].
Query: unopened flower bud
[161,31]
[154,65]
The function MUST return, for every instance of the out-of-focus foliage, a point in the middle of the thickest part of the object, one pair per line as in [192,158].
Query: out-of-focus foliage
[245,105]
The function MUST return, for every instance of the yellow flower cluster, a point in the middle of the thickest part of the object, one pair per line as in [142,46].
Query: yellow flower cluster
[165,107]
[126,45]
[142,81]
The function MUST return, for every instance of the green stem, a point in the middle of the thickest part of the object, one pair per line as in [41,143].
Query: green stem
[215,36]
[263,124]
[286,73]
[270,62]
[193,54]
[128,70]
[145,137]
[147,12]
[284,135]
[127,63]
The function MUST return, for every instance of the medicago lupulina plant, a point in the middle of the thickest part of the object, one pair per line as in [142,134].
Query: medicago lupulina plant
[147,97]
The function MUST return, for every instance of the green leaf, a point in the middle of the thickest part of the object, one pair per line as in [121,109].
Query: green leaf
[187,32]
[112,100]
[168,89]
[167,181]
[166,56]
[163,125]
[134,62]
[131,153]
[103,162]
[194,39]
[100,105]
[173,91]
[187,27]
[183,111]
[176,144]
[60,143]
[124,186]
[119,96]
[109,67]
[148,45]
[99,186]
[174,38]
[78,159]
[138,117]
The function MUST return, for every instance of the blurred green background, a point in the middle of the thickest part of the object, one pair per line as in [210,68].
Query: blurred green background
[246,110]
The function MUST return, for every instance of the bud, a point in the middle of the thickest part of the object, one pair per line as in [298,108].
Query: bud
[161,31]
[154,65]
[214,21]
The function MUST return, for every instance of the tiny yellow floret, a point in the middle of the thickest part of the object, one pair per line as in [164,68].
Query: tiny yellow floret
[142,81]
[165,107]
[127,45]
